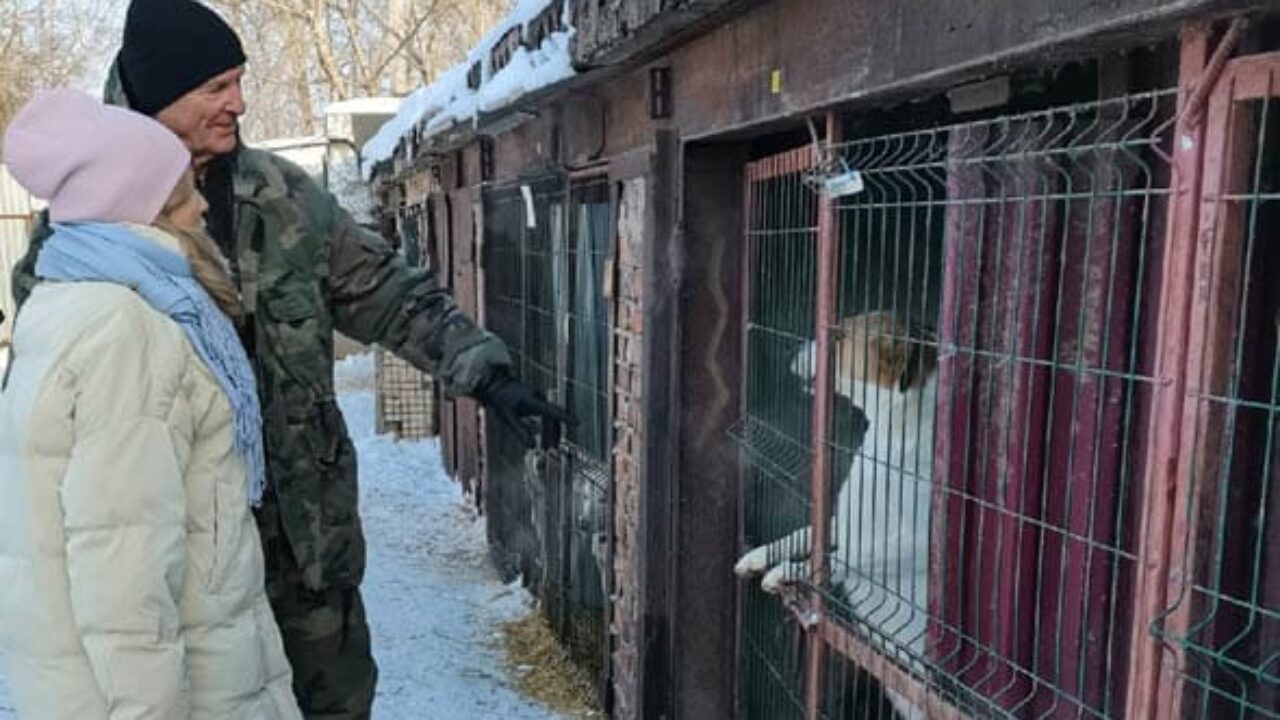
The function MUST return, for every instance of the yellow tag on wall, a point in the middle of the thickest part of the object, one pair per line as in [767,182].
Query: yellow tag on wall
[775,82]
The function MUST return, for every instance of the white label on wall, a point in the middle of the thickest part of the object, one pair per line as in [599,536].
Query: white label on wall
[530,216]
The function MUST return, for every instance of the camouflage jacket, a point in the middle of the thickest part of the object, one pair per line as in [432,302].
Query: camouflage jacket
[306,269]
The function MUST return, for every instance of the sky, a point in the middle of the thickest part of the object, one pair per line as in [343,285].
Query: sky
[113,12]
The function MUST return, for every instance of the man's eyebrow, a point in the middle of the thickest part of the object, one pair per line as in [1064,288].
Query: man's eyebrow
[221,80]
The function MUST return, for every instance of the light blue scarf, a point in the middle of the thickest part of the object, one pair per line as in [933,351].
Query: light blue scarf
[101,252]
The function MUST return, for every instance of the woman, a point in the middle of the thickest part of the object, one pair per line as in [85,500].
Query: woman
[4,350]
[131,578]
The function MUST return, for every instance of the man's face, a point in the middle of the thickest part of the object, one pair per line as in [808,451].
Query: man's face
[206,118]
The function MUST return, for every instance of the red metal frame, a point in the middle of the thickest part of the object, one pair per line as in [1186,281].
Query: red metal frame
[1201,269]
[1158,515]
[1218,271]
[889,673]
[790,162]
[820,516]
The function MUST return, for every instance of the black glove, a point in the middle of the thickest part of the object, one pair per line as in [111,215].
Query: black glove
[514,402]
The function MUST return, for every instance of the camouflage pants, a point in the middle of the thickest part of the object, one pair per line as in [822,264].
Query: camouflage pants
[326,637]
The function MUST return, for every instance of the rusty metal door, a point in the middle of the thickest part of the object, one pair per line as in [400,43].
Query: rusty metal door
[466,415]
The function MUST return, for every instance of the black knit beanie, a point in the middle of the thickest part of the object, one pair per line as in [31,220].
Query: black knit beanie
[172,47]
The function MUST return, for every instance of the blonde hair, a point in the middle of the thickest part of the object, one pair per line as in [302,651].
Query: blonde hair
[207,261]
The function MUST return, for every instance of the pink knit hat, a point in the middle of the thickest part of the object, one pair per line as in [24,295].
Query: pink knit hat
[93,162]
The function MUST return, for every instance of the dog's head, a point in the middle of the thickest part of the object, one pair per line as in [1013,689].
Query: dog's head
[874,349]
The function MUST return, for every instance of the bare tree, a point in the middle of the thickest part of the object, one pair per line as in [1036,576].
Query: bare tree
[304,54]
[49,44]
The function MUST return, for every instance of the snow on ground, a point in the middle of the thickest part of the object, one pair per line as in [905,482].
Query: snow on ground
[434,602]
[6,701]
[353,374]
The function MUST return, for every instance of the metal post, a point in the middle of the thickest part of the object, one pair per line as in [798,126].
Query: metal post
[744,484]
[1159,514]
[821,480]
[1219,307]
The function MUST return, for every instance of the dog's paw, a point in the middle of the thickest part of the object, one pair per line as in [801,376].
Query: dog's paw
[779,578]
[752,563]
[904,707]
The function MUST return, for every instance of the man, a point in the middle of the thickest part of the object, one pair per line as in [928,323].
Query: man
[305,269]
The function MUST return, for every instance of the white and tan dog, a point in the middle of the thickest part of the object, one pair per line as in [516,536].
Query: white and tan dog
[880,537]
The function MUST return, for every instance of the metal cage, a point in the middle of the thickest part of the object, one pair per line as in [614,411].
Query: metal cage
[407,400]
[952,388]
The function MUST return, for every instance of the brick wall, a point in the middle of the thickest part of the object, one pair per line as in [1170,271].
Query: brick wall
[628,414]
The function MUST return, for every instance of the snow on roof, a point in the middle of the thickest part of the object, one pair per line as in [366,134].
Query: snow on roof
[448,101]
[301,141]
[365,106]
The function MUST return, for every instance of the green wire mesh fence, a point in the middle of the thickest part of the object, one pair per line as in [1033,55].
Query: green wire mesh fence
[988,365]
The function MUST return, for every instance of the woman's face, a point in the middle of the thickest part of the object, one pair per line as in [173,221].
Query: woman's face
[190,214]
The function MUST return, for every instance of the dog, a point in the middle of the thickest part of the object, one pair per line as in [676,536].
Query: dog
[879,561]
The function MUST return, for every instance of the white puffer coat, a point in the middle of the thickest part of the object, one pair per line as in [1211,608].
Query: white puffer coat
[131,576]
